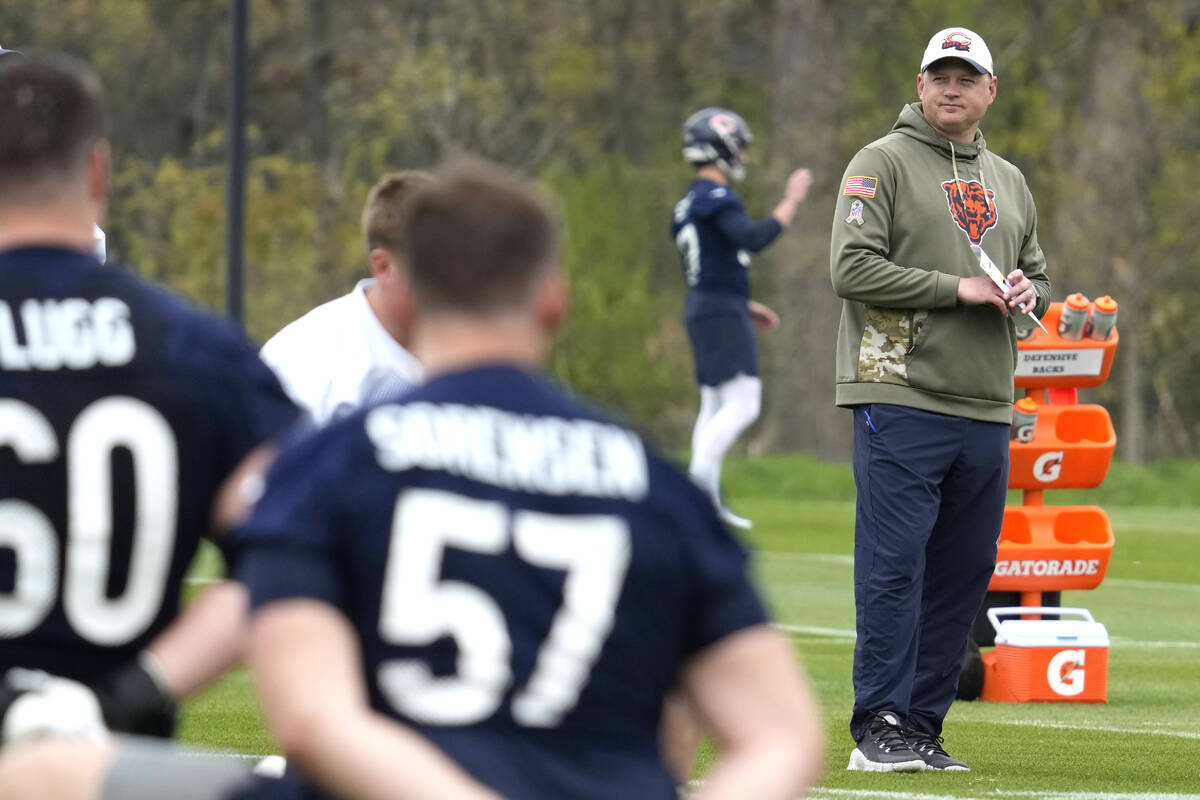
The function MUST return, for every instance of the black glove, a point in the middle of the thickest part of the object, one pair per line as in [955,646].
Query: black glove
[133,701]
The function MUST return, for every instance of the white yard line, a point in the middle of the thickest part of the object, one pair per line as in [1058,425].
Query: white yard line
[220,754]
[1094,795]
[1134,583]
[993,794]
[1098,795]
[827,558]
[844,634]
[848,560]
[1035,723]
[840,634]
[833,794]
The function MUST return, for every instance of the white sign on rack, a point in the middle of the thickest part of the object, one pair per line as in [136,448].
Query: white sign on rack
[1059,363]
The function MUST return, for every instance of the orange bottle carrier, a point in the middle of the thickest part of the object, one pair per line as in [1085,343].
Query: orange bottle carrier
[1067,445]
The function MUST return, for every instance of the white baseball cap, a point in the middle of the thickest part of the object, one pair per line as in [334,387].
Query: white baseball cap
[959,43]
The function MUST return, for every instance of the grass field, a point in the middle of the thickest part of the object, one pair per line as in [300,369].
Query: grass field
[1143,744]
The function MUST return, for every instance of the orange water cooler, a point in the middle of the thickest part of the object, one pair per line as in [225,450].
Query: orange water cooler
[1060,660]
[1054,548]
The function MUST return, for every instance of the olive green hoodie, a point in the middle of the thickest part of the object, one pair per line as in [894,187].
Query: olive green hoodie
[902,238]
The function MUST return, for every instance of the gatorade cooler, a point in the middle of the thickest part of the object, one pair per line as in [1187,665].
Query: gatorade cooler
[1046,661]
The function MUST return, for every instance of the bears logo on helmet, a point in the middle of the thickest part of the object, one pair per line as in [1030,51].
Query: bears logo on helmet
[718,136]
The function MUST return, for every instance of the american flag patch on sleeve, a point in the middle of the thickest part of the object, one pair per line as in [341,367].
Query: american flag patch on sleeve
[862,186]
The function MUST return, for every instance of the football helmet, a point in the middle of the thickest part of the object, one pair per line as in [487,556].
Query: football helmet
[718,136]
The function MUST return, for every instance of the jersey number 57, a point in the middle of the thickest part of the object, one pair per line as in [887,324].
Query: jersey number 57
[418,608]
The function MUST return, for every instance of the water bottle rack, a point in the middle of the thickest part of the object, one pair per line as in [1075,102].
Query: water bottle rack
[1048,361]
[1052,548]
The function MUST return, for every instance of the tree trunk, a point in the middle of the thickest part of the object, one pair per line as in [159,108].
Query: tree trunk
[805,106]
[318,66]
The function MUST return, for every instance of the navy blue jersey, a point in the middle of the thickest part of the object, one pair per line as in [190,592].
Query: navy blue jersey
[715,238]
[122,409]
[524,577]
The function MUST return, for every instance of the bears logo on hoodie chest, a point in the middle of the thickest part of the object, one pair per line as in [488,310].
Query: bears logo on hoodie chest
[972,207]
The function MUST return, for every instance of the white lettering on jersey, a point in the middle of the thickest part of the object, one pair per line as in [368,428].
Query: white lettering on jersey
[102,427]
[688,240]
[70,333]
[683,207]
[688,243]
[418,607]
[546,455]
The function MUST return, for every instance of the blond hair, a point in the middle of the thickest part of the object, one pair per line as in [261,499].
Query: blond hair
[386,212]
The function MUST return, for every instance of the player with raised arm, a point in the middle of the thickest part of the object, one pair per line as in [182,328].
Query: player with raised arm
[715,237]
[122,412]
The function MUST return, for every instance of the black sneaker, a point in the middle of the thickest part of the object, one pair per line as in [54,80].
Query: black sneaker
[929,748]
[884,748]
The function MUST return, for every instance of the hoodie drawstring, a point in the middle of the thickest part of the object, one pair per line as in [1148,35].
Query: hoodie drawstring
[957,185]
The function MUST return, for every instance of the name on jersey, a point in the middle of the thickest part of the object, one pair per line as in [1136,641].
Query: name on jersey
[543,455]
[67,333]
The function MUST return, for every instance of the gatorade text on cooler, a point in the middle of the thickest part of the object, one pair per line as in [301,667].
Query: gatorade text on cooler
[1104,318]
[1025,413]
[1073,322]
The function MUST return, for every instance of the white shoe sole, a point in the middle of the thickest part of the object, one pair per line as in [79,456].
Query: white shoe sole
[860,763]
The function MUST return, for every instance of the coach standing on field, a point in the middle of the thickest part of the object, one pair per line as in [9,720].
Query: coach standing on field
[925,359]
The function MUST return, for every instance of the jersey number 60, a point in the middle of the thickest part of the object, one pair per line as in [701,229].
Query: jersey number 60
[106,424]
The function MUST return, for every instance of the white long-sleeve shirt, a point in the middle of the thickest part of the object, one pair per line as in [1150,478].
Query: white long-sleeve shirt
[339,357]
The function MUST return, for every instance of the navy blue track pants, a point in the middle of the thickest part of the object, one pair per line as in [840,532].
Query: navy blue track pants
[931,493]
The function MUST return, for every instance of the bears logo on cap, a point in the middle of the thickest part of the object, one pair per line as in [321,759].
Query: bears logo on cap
[957,41]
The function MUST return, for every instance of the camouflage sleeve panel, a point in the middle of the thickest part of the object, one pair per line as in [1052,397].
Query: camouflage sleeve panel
[862,232]
[888,337]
